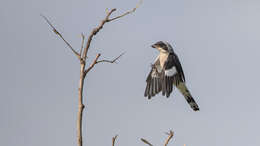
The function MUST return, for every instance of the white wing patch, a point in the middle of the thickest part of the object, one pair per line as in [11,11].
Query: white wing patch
[170,72]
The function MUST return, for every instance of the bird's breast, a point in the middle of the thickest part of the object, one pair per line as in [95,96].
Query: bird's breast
[163,57]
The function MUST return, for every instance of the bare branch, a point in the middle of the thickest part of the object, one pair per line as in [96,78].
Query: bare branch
[146,142]
[59,34]
[97,29]
[126,13]
[92,65]
[169,137]
[96,61]
[111,61]
[94,32]
[114,140]
[122,15]
[82,44]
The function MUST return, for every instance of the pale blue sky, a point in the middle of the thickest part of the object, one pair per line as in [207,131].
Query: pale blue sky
[217,42]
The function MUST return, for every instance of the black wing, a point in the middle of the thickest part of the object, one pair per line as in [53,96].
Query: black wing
[178,66]
[173,74]
[154,83]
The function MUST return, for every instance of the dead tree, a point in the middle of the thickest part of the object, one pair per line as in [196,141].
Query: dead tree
[82,57]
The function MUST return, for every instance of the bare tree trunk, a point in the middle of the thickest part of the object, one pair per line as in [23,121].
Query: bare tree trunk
[81,105]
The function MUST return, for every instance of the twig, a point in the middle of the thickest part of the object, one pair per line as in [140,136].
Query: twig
[59,34]
[96,61]
[122,15]
[169,137]
[92,65]
[111,61]
[146,142]
[126,13]
[82,44]
[114,140]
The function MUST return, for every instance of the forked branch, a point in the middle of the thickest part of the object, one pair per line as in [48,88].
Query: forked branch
[126,13]
[170,135]
[110,61]
[114,140]
[92,65]
[96,61]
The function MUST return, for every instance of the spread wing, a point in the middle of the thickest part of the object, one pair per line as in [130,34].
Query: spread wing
[154,80]
[173,74]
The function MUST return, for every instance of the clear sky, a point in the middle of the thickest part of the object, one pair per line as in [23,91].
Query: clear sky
[217,42]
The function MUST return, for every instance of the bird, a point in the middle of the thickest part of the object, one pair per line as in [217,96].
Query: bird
[167,73]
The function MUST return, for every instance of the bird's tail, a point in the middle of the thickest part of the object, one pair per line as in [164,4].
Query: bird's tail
[186,93]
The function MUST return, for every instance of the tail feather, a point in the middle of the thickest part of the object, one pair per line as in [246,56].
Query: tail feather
[186,93]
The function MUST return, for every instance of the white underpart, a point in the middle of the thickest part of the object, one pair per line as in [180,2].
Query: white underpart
[161,59]
[170,72]
[163,56]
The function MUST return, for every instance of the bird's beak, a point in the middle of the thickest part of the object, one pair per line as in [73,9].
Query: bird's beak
[153,46]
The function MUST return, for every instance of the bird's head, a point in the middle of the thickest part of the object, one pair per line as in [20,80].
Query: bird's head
[163,47]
